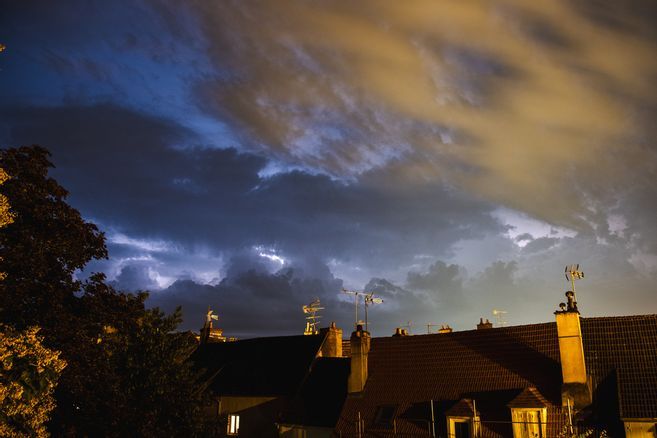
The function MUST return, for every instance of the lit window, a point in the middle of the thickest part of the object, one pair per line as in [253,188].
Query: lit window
[233,424]
[529,423]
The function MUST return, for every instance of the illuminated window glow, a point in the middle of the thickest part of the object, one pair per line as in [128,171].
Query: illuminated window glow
[233,424]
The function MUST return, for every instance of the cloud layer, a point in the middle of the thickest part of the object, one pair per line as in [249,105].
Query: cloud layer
[451,157]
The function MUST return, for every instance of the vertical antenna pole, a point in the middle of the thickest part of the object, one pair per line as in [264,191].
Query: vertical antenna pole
[433,421]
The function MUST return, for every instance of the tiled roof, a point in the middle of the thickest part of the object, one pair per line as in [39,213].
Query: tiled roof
[273,366]
[499,363]
[628,345]
[409,371]
[529,398]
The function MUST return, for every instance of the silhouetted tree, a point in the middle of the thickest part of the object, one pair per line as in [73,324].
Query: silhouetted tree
[127,372]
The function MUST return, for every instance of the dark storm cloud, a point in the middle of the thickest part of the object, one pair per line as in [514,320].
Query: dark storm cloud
[123,169]
[256,301]
[269,152]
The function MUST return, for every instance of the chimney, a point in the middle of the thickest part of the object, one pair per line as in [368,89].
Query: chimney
[400,332]
[211,334]
[332,345]
[484,325]
[360,347]
[445,329]
[575,386]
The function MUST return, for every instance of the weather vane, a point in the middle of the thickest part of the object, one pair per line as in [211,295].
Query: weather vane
[312,318]
[210,316]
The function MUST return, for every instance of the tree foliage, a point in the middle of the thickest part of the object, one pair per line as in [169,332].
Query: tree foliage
[28,375]
[46,243]
[127,372]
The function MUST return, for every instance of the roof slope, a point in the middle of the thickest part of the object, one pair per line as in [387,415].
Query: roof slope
[273,366]
[406,371]
[628,345]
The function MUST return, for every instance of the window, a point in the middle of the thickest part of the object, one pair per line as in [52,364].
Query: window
[529,423]
[233,424]
[460,427]
[385,415]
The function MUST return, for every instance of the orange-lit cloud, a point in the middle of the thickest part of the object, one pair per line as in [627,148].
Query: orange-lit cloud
[540,107]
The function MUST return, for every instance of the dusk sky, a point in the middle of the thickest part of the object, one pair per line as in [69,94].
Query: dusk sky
[451,156]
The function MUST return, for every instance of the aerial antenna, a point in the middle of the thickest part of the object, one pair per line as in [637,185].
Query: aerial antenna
[356,295]
[312,320]
[573,273]
[499,316]
[370,299]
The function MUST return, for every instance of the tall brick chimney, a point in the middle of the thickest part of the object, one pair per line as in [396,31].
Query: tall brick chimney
[575,389]
[332,345]
[360,347]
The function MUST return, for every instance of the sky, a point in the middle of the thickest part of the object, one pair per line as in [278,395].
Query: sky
[452,157]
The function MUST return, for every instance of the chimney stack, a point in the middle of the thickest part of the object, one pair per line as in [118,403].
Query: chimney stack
[445,329]
[332,345]
[360,347]
[484,325]
[400,332]
[575,386]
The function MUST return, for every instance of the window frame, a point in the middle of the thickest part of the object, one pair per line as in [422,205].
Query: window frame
[451,425]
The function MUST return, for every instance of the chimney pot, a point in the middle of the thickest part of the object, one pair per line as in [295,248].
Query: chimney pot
[484,325]
[445,329]
[332,345]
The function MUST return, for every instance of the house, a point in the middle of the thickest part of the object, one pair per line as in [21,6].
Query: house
[572,377]
[276,386]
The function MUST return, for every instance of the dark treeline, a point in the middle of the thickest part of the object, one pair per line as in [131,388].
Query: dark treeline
[126,372]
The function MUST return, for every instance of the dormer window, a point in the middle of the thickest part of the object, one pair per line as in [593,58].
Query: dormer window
[529,414]
[460,427]
[529,422]
[461,420]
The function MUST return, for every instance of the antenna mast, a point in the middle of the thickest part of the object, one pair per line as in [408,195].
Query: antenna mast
[370,299]
[356,294]
[573,273]
[312,320]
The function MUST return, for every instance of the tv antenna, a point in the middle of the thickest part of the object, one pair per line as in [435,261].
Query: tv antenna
[312,320]
[356,295]
[370,299]
[499,316]
[573,273]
